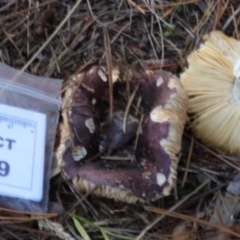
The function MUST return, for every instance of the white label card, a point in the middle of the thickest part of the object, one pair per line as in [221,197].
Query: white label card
[22,150]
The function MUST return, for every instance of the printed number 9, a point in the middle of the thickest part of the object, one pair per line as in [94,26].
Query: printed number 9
[4,169]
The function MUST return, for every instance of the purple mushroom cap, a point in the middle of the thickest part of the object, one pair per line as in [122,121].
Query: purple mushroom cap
[153,174]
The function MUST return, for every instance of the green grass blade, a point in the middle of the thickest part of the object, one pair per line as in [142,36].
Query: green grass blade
[80,228]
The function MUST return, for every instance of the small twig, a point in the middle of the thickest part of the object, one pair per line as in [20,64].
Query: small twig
[128,108]
[118,158]
[133,4]
[10,30]
[192,219]
[138,106]
[56,228]
[43,215]
[158,219]
[85,65]
[28,28]
[151,42]
[218,14]
[211,6]
[30,230]
[10,39]
[7,5]
[138,132]
[235,22]
[107,45]
[26,10]
[231,17]
[96,155]
[215,154]
[188,161]
[51,36]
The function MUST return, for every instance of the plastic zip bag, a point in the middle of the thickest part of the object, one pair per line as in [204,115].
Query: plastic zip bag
[29,115]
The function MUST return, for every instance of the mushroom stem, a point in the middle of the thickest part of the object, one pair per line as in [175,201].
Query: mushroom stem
[236,90]
[236,87]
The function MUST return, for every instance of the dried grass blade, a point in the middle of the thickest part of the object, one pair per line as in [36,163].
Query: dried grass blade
[80,228]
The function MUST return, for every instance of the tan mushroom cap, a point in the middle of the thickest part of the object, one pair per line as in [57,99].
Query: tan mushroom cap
[212,81]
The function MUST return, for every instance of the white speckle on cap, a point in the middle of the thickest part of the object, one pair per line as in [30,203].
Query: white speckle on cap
[159,81]
[92,70]
[79,152]
[172,83]
[94,101]
[171,180]
[89,123]
[102,75]
[115,75]
[167,191]
[158,114]
[161,179]
[149,72]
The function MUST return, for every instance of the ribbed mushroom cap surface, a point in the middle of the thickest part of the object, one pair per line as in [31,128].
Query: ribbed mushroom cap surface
[209,81]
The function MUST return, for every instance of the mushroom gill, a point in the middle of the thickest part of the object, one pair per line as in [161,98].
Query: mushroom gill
[212,81]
